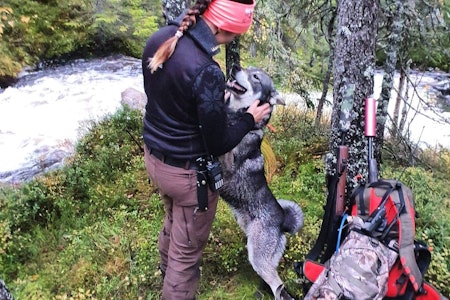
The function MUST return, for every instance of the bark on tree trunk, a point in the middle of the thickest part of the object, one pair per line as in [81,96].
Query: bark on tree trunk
[232,54]
[398,101]
[393,48]
[326,82]
[405,109]
[354,67]
[173,8]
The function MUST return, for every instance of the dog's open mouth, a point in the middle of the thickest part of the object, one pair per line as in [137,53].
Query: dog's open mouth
[234,87]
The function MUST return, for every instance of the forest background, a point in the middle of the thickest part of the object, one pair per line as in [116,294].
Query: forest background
[89,230]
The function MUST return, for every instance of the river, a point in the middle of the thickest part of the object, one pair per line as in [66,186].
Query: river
[42,116]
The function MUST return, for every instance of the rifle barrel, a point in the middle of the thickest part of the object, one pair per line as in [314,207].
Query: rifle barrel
[370,126]
[370,132]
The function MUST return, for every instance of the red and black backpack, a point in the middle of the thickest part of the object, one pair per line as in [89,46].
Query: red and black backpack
[387,210]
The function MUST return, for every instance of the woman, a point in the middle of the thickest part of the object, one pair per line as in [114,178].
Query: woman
[185,120]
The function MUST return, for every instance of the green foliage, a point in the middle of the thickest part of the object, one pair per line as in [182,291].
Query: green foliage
[226,250]
[296,139]
[85,230]
[431,41]
[290,39]
[432,202]
[425,38]
[5,241]
[33,31]
[63,30]
[287,40]
[124,25]
[89,230]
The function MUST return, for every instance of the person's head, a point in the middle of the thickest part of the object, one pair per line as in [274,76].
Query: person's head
[226,18]
[229,18]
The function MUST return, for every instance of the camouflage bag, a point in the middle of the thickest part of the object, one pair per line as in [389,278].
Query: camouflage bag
[358,270]
[379,257]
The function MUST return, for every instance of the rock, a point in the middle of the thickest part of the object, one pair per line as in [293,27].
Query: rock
[46,159]
[443,86]
[134,99]
[441,89]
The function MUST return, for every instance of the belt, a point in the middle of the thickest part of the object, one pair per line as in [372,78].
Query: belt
[174,162]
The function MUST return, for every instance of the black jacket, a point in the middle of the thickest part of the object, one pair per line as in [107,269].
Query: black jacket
[186,92]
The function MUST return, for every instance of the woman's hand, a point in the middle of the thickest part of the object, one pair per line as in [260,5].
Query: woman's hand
[258,112]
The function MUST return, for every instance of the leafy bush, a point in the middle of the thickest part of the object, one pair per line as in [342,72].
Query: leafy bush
[90,229]
[432,203]
[297,139]
[33,32]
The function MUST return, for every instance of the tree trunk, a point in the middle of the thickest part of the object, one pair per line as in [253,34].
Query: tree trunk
[232,54]
[353,72]
[326,81]
[405,110]
[398,101]
[393,48]
[171,9]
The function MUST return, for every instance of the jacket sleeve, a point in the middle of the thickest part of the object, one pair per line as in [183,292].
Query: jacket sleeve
[208,90]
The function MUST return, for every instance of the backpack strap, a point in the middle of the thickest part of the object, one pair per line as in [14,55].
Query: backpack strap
[378,216]
[404,210]
[361,206]
[406,233]
[430,293]
[328,234]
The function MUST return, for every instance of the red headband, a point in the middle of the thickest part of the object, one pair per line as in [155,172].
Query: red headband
[229,15]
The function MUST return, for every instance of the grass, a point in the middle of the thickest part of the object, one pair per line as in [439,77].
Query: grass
[89,230]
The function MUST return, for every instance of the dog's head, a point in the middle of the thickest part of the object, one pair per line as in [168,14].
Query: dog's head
[245,85]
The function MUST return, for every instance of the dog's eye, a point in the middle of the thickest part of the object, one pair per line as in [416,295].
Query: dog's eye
[256,76]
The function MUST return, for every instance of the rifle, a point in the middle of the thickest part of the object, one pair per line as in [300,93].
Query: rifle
[370,132]
[324,246]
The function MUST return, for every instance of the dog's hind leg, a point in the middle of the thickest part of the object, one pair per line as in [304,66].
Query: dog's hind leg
[265,247]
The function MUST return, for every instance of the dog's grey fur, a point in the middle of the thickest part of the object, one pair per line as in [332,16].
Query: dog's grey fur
[4,292]
[262,217]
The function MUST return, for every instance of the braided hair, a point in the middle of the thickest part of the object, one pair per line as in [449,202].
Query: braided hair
[166,49]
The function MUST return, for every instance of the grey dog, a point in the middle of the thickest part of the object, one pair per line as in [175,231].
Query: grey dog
[262,217]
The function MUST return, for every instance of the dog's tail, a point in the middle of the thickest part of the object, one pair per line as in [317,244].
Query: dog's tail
[293,216]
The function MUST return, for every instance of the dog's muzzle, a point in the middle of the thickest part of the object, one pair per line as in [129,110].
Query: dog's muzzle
[234,87]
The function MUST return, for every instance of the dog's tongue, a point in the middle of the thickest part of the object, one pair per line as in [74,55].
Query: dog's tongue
[235,87]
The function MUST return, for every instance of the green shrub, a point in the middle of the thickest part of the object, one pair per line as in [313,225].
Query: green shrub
[432,203]
[297,140]
[89,230]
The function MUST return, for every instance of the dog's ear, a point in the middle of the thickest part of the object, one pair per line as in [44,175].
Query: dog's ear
[276,99]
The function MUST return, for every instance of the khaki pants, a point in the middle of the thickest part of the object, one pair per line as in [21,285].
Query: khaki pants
[185,230]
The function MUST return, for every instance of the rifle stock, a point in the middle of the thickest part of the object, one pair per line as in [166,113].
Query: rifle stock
[335,205]
[324,246]
[341,169]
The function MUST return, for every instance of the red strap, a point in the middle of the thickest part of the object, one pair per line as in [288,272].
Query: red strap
[397,281]
[430,293]
[312,270]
